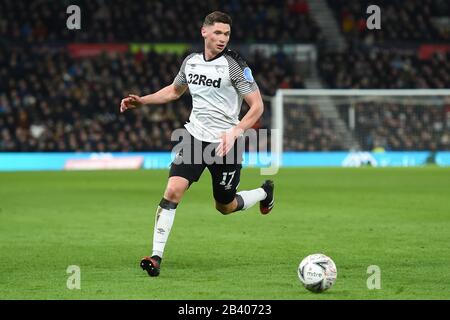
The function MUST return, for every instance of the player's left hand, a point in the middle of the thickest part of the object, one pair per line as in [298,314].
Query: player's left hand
[227,141]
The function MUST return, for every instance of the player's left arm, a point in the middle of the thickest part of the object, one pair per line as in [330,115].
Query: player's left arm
[254,100]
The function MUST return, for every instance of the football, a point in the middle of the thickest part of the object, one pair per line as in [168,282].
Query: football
[317,272]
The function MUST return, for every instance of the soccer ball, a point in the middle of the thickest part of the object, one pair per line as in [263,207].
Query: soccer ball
[317,272]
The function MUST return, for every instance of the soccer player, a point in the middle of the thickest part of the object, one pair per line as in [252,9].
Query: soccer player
[218,80]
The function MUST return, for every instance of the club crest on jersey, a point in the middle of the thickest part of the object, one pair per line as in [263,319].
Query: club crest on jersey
[201,79]
[220,69]
[248,74]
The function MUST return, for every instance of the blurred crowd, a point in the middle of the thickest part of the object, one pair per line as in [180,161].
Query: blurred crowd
[140,20]
[417,20]
[383,69]
[391,126]
[307,130]
[385,126]
[53,102]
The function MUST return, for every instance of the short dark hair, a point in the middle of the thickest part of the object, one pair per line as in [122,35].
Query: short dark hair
[217,16]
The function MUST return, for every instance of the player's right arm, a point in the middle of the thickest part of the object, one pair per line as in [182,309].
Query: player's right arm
[170,93]
[167,94]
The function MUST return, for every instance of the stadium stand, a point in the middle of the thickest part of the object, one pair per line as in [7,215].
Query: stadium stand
[402,20]
[140,20]
[384,69]
[51,101]
[411,128]
[390,126]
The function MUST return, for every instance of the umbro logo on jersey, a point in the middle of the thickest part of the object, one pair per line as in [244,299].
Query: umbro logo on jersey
[203,80]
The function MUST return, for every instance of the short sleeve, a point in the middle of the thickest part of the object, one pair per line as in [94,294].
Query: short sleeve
[180,79]
[241,75]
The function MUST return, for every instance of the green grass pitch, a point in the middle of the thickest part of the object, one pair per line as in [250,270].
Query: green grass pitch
[395,218]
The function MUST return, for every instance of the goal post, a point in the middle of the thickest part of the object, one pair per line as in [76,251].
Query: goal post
[360,120]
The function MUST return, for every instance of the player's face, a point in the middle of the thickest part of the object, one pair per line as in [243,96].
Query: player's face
[216,36]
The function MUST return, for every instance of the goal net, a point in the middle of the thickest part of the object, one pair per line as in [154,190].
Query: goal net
[360,120]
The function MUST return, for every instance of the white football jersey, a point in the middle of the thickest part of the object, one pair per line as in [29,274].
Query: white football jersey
[217,87]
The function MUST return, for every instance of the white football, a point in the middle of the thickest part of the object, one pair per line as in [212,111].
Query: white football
[317,272]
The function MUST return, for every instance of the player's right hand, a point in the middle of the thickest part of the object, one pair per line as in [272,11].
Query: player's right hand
[130,102]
